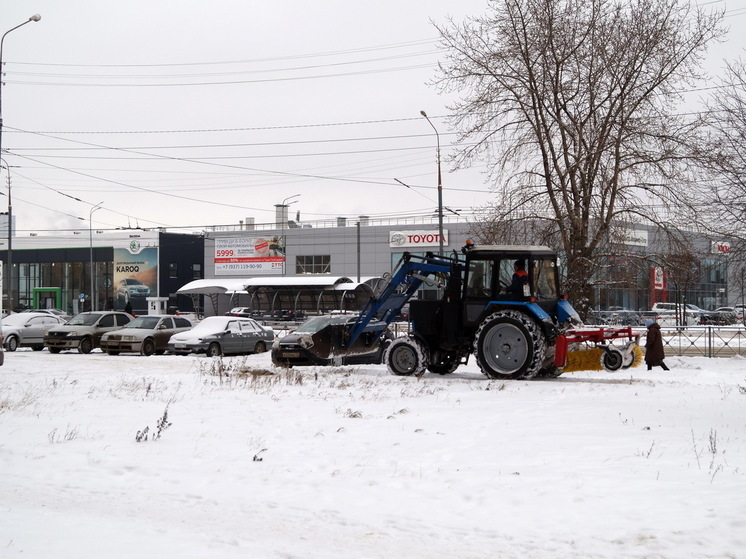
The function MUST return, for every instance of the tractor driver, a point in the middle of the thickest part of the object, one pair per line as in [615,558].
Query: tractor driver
[520,279]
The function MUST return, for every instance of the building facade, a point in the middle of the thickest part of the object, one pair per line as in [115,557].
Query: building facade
[101,270]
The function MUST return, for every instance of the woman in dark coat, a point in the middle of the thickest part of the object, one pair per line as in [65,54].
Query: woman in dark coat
[654,355]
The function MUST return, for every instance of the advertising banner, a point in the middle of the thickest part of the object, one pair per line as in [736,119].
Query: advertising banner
[241,256]
[135,276]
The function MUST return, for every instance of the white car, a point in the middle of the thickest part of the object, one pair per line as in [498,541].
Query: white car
[27,329]
[222,335]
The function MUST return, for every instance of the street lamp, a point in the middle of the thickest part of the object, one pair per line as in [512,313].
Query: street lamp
[440,187]
[35,17]
[94,301]
[283,219]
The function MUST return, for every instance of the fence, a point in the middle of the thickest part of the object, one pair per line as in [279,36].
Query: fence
[704,341]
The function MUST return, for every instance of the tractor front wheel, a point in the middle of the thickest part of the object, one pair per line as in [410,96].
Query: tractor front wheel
[406,356]
[509,345]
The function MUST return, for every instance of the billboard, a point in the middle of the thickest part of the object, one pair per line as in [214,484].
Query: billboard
[241,256]
[135,276]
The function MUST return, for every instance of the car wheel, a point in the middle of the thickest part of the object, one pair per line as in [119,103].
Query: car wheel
[54,350]
[160,351]
[148,347]
[112,352]
[11,343]
[86,345]
[260,347]
[214,350]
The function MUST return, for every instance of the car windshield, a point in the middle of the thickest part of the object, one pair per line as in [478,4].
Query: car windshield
[316,323]
[147,322]
[209,326]
[85,319]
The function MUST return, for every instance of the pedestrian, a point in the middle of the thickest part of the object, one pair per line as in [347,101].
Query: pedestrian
[654,354]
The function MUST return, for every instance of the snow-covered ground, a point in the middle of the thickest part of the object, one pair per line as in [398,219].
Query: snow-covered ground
[352,462]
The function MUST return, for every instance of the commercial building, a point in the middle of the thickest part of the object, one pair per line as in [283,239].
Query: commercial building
[157,268]
[96,270]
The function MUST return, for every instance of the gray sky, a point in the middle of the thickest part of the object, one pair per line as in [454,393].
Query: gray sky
[187,113]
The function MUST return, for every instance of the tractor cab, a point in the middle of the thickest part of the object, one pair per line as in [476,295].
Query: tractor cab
[509,275]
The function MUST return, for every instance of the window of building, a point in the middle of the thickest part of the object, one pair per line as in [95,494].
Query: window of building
[196,271]
[317,264]
[173,270]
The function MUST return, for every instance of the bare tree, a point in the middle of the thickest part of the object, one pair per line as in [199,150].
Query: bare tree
[573,106]
[724,154]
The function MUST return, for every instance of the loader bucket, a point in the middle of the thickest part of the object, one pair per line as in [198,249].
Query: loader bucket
[330,342]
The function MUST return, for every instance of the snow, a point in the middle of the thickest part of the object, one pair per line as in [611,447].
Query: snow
[352,462]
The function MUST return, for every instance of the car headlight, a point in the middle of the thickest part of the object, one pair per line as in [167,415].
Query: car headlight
[129,339]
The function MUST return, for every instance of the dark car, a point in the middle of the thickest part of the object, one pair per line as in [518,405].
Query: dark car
[223,335]
[291,350]
[83,332]
[147,335]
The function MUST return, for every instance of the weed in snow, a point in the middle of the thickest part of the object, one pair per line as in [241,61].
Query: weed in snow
[160,426]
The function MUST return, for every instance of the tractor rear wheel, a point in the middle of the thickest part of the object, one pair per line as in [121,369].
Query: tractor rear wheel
[406,356]
[509,345]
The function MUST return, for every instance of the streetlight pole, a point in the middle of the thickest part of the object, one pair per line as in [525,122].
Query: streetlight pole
[440,187]
[283,220]
[35,17]
[94,301]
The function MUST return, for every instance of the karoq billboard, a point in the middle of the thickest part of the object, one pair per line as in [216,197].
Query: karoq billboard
[135,275]
[241,256]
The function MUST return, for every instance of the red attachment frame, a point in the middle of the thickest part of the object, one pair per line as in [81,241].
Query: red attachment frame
[594,335]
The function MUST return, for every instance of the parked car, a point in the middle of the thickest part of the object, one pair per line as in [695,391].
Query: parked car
[55,312]
[290,350]
[618,316]
[131,288]
[147,335]
[83,332]
[27,329]
[726,315]
[740,312]
[223,335]
[668,312]
[245,312]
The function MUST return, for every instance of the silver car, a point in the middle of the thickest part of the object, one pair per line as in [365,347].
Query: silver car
[84,331]
[145,334]
[222,335]
[27,329]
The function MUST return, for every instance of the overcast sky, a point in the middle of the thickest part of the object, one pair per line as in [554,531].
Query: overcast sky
[190,113]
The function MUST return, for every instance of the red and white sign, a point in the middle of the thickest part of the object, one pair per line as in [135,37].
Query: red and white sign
[720,247]
[416,238]
[240,256]
[658,279]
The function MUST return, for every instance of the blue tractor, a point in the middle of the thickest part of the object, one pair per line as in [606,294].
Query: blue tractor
[499,303]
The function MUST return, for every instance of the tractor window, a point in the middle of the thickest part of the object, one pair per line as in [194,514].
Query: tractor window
[480,279]
[506,273]
[545,280]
